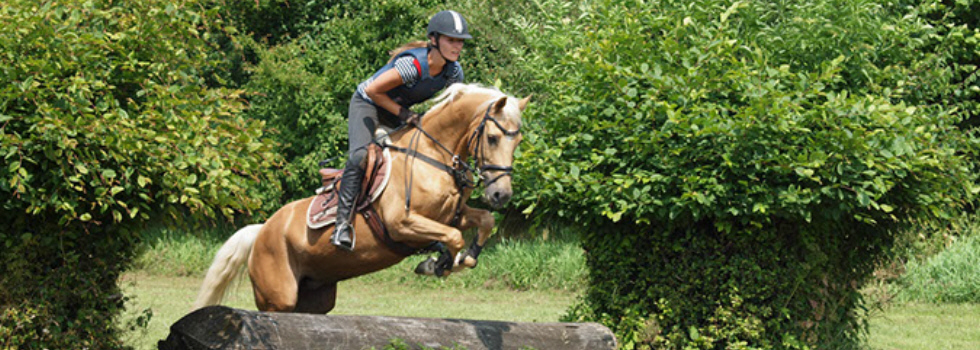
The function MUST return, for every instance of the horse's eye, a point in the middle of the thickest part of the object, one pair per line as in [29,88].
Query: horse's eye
[492,140]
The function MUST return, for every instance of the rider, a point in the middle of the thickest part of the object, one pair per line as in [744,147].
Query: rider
[411,77]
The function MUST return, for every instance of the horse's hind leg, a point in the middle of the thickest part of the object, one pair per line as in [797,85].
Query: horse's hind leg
[316,297]
[272,277]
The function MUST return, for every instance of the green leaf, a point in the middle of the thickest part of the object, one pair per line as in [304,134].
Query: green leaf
[143,181]
[692,331]
[529,209]
[804,172]
[864,199]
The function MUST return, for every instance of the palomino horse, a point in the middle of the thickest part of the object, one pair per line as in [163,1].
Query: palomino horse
[294,268]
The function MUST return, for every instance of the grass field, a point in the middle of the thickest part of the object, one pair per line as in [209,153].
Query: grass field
[916,326]
[536,281]
[170,298]
[902,326]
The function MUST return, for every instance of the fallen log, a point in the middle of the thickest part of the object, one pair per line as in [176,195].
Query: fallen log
[219,327]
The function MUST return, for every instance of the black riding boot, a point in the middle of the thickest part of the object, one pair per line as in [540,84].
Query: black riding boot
[350,187]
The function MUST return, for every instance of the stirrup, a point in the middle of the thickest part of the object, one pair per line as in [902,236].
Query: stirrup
[337,240]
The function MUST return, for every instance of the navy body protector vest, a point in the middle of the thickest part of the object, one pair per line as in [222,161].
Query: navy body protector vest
[427,86]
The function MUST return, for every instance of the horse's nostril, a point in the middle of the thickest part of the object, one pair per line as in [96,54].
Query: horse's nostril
[502,197]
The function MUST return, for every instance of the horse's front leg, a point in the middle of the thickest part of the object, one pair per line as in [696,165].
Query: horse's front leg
[483,220]
[420,228]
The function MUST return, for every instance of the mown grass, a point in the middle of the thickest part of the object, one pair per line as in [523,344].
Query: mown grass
[168,298]
[522,280]
[925,326]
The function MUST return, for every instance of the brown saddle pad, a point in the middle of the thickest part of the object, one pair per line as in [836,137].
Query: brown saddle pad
[323,209]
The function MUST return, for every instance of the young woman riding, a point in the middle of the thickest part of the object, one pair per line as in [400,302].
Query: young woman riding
[411,77]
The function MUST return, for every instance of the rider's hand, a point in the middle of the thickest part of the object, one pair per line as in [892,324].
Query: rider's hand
[413,119]
[407,116]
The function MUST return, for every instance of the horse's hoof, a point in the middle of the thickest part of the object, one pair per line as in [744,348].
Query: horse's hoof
[443,265]
[427,267]
[469,259]
[469,262]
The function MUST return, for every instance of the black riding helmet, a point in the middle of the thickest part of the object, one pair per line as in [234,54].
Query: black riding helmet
[449,23]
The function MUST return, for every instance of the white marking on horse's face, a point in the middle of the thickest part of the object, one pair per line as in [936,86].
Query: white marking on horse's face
[499,151]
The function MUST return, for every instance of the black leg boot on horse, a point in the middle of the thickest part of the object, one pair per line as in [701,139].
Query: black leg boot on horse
[350,188]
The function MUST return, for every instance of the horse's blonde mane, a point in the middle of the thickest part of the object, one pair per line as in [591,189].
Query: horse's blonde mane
[511,110]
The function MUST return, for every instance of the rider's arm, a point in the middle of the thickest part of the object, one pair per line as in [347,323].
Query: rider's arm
[377,90]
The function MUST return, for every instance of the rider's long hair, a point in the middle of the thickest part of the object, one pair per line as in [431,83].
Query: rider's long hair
[406,47]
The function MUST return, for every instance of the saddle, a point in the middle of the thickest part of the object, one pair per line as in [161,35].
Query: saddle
[323,209]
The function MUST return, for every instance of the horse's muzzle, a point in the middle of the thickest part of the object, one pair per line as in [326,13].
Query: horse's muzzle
[498,197]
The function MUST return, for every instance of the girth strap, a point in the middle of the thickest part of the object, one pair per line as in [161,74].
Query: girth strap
[381,234]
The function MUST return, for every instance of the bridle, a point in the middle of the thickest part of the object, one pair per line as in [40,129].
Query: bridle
[479,152]
[459,169]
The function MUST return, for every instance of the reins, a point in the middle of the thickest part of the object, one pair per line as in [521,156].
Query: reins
[459,169]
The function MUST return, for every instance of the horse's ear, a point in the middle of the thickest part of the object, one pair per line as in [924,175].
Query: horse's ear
[524,101]
[498,106]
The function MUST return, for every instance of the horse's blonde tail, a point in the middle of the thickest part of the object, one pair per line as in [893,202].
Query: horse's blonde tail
[227,265]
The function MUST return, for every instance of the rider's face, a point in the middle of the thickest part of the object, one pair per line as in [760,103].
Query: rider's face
[450,47]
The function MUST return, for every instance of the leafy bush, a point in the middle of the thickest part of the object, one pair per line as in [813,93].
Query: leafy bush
[738,175]
[107,123]
[952,43]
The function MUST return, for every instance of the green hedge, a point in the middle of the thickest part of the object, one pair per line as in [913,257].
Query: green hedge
[107,123]
[739,166]
[953,45]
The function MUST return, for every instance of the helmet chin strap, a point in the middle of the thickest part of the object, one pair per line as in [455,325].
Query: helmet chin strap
[439,50]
